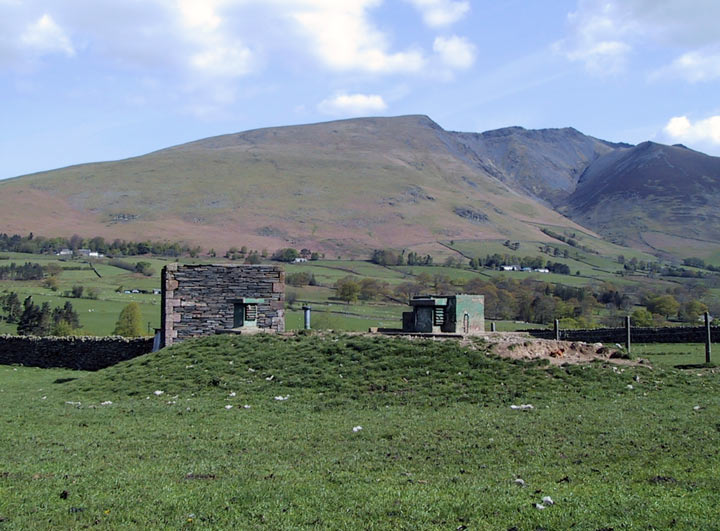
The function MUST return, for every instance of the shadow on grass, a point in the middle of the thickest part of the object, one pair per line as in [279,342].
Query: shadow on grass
[63,380]
[696,366]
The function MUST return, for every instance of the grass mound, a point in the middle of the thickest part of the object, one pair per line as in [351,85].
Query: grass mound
[371,433]
[338,369]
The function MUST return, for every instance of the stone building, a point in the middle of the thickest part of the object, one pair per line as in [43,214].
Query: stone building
[205,299]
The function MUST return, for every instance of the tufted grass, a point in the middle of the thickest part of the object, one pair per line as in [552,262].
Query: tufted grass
[439,448]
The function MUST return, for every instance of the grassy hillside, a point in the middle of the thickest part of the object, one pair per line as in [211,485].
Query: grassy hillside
[342,187]
[369,433]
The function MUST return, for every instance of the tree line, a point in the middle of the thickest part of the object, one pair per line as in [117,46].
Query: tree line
[42,245]
[533,301]
[34,320]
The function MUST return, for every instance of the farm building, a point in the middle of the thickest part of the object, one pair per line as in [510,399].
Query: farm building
[205,299]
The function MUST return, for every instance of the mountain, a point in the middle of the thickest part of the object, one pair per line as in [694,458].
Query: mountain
[650,195]
[348,186]
[343,187]
[545,163]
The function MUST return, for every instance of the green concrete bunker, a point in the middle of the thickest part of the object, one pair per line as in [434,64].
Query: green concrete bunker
[457,315]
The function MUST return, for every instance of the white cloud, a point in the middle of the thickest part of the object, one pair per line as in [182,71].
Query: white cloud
[45,36]
[197,14]
[602,34]
[223,60]
[441,12]
[352,104]
[596,37]
[694,66]
[455,52]
[680,128]
[343,37]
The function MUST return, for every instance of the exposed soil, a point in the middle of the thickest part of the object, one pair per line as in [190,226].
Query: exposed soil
[520,346]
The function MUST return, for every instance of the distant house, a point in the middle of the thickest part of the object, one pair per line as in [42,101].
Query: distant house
[64,252]
[95,254]
[541,270]
[83,252]
[299,260]
[526,269]
[511,268]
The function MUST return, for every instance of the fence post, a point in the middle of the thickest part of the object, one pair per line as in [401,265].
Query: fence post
[708,337]
[492,326]
[627,333]
[306,312]
[557,330]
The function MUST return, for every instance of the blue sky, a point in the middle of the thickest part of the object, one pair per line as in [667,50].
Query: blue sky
[91,80]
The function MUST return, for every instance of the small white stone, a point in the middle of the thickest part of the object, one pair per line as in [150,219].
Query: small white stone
[519,482]
[357,429]
[629,386]
[106,403]
[158,393]
[246,406]
[228,406]
[547,500]
[523,406]
[697,408]
[539,506]
[232,394]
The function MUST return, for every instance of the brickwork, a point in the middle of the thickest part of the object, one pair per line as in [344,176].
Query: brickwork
[199,300]
[82,353]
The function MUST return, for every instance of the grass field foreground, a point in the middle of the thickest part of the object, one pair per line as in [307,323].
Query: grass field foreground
[355,432]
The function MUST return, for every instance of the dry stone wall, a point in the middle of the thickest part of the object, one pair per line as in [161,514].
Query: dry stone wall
[637,335]
[199,300]
[81,353]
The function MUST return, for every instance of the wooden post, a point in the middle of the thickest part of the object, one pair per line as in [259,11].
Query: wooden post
[627,333]
[557,330]
[492,326]
[708,337]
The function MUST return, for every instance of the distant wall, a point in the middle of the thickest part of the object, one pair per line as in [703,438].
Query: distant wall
[82,353]
[668,334]
[199,300]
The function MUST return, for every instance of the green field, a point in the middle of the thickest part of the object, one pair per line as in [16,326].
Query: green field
[98,316]
[439,448]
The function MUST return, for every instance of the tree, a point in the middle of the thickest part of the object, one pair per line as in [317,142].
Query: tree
[370,288]
[144,268]
[285,255]
[253,258]
[409,290]
[35,321]
[62,329]
[12,307]
[665,305]
[129,323]
[51,283]
[691,311]
[347,289]
[67,314]
[641,317]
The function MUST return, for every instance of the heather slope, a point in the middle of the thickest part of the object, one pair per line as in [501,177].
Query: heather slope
[345,187]
[651,189]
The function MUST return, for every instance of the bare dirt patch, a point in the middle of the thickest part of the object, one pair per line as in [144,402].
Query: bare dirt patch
[520,346]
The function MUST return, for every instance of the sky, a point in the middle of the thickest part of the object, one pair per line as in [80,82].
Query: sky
[93,80]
